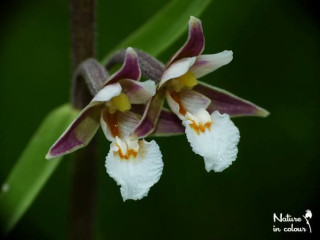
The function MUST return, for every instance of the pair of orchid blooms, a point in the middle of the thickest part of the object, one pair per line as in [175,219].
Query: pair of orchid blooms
[199,110]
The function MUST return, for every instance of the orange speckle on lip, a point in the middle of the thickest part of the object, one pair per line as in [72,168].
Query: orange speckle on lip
[128,155]
[199,128]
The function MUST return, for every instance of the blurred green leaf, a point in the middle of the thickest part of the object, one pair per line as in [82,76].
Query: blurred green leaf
[165,27]
[32,170]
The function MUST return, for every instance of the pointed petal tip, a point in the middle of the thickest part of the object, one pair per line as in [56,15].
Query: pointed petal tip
[195,24]
[49,156]
[194,20]
[130,68]
[208,63]
[228,56]
[226,102]
[195,43]
[131,51]
[131,58]
[262,112]
[228,53]
[224,57]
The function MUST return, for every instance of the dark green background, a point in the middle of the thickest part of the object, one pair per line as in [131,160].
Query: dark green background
[276,65]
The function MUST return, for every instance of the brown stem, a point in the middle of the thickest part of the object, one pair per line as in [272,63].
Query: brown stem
[84,161]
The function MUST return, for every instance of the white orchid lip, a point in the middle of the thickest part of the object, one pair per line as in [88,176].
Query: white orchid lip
[217,144]
[136,174]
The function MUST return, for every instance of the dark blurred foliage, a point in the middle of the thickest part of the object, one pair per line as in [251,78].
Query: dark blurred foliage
[276,65]
[311,8]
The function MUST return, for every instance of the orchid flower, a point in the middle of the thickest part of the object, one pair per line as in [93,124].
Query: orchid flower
[134,164]
[204,110]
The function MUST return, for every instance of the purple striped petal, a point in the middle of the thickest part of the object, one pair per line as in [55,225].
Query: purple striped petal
[150,116]
[168,124]
[79,133]
[130,68]
[210,62]
[194,44]
[138,92]
[226,102]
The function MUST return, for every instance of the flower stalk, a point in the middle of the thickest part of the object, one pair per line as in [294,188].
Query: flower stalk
[84,161]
